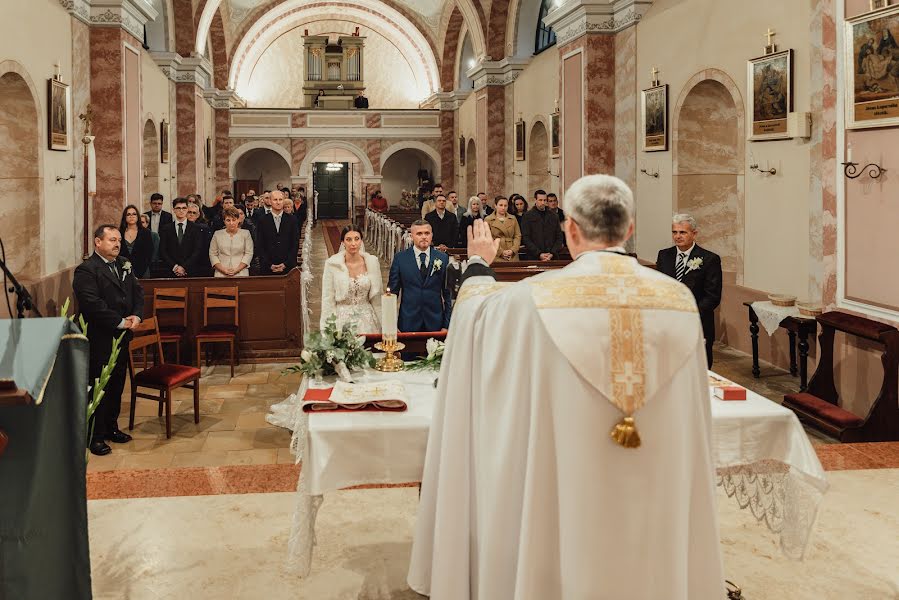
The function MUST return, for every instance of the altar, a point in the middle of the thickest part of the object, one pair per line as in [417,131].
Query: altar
[764,459]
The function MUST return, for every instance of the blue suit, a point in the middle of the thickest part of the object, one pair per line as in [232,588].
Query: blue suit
[425,303]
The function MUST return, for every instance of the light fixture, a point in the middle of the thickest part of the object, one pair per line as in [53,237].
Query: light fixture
[333,166]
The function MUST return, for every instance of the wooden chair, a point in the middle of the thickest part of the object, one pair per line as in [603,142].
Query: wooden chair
[163,377]
[171,299]
[213,298]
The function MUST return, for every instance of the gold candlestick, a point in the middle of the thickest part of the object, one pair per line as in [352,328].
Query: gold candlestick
[390,363]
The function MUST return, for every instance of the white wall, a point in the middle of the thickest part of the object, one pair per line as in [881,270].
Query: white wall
[155,104]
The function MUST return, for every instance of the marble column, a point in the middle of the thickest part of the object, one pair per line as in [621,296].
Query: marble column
[107,95]
[496,141]
[222,148]
[185,132]
[448,150]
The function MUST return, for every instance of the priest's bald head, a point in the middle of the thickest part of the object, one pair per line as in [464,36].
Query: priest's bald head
[600,213]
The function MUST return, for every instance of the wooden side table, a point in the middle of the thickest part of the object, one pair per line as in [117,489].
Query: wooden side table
[796,328]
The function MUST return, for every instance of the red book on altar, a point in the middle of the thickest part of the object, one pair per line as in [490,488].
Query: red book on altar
[730,392]
[377,396]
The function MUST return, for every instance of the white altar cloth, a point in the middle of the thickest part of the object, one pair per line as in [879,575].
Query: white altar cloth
[764,459]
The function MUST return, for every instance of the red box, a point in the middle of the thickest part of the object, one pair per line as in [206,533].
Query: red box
[730,392]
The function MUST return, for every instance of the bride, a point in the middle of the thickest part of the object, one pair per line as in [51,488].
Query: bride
[352,286]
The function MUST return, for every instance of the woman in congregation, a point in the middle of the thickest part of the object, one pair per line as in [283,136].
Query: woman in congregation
[231,249]
[504,228]
[145,222]
[352,285]
[517,207]
[475,211]
[137,243]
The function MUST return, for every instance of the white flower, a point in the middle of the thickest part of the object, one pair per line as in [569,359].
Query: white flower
[306,356]
[126,266]
[437,264]
[693,264]
[431,347]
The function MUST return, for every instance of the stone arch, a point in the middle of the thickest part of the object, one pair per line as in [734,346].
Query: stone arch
[21,141]
[414,144]
[708,155]
[316,151]
[184,27]
[471,170]
[496,29]
[220,66]
[538,156]
[521,26]
[264,165]
[254,145]
[451,43]
[463,61]
[150,162]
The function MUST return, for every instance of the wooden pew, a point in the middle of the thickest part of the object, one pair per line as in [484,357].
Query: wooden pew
[271,326]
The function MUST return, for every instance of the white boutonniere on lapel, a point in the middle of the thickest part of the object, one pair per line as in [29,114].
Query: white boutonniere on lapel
[693,264]
[436,266]
[126,269]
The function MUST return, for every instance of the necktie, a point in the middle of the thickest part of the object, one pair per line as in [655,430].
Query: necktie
[180,231]
[681,266]
[115,272]
[278,224]
[422,267]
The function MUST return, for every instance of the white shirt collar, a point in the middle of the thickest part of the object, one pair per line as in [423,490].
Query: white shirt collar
[184,221]
[418,252]
[688,251]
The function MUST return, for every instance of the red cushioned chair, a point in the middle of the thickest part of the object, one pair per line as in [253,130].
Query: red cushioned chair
[213,298]
[171,299]
[162,377]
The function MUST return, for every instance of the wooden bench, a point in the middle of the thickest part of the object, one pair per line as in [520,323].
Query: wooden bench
[819,404]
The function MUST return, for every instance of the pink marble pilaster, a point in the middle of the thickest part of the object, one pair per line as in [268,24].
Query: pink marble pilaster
[826,153]
[599,103]
[448,151]
[222,145]
[297,153]
[298,119]
[373,151]
[496,141]
[107,99]
[81,97]
[185,131]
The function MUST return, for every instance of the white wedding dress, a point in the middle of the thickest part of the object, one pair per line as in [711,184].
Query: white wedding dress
[356,308]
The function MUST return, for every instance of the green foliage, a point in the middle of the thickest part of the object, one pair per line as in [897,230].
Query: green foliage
[325,350]
[433,359]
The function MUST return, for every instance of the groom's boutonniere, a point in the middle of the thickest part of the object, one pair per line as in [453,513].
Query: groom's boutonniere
[693,264]
[126,269]
[436,266]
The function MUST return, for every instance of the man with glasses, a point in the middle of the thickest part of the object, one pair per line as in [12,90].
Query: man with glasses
[180,243]
[158,217]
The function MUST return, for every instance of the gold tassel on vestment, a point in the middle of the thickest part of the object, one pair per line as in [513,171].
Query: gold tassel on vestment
[625,433]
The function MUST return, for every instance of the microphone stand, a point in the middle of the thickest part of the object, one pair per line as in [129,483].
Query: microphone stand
[24,300]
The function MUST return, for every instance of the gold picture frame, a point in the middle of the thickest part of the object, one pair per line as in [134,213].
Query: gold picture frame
[554,136]
[519,140]
[654,111]
[59,101]
[770,85]
[163,142]
[208,153]
[871,64]
[461,150]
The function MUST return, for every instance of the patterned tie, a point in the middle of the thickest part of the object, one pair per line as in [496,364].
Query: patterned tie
[681,267]
[180,231]
[112,268]
[422,268]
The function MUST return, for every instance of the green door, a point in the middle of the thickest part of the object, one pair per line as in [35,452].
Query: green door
[333,187]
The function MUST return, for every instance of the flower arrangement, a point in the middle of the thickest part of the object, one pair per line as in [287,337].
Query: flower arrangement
[435,350]
[693,264]
[333,351]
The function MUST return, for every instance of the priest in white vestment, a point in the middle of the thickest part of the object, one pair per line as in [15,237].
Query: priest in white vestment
[588,473]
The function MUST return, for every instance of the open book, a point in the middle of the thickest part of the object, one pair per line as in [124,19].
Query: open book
[375,396]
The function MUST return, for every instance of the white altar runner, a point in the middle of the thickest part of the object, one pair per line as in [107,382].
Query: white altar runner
[763,455]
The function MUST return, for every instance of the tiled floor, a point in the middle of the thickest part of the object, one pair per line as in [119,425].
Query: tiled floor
[233,431]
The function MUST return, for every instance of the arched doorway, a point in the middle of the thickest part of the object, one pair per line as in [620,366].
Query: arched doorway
[151,163]
[708,173]
[471,172]
[538,158]
[264,166]
[400,172]
[20,204]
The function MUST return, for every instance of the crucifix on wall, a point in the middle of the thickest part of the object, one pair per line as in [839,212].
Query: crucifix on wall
[771,48]
[655,77]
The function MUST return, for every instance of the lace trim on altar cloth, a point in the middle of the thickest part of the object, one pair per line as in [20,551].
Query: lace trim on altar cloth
[785,499]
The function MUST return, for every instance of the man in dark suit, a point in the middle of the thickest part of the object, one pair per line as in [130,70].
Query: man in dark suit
[265,208]
[697,268]
[158,217]
[111,300]
[180,243]
[278,238]
[541,233]
[418,275]
[361,101]
[444,225]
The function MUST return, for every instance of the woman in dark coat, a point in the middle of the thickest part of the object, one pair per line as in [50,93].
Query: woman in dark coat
[137,243]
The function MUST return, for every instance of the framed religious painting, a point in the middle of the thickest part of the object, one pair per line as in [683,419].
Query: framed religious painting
[871,64]
[163,142]
[208,153]
[655,118]
[519,140]
[554,135]
[461,150]
[770,81]
[60,102]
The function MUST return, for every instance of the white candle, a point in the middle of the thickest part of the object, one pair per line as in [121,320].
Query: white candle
[849,153]
[388,315]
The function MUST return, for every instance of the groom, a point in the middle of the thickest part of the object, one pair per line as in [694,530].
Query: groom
[418,275]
